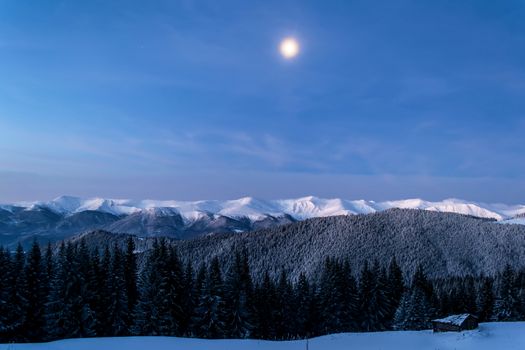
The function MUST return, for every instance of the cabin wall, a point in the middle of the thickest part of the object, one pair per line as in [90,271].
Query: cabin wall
[470,323]
[445,327]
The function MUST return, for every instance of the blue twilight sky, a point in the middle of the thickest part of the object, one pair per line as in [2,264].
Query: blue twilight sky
[191,99]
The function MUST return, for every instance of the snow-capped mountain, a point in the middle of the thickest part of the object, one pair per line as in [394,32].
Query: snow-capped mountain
[65,216]
[256,209]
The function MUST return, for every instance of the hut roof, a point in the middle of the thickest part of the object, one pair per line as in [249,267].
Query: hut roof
[456,320]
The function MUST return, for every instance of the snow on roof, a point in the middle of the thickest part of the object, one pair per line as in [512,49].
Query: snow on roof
[456,320]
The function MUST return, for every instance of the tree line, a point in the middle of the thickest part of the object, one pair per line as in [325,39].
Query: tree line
[76,291]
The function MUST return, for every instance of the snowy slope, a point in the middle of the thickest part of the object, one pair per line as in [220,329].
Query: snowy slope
[508,336]
[255,209]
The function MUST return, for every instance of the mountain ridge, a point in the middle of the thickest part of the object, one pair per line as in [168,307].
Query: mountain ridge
[257,209]
[444,244]
[66,216]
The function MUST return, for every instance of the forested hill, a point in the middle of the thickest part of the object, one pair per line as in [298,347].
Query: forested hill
[445,244]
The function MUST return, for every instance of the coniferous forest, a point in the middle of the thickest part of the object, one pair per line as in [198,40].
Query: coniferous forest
[77,291]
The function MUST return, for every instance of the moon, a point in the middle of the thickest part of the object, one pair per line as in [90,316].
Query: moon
[289,48]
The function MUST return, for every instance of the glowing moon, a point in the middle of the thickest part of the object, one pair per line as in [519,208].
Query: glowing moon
[289,48]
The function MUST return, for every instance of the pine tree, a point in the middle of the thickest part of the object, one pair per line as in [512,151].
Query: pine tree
[265,300]
[416,309]
[147,310]
[395,288]
[70,315]
[331,294]
[211,309]
[48,269]
[35,285]
[507,304]
[284,308]
[188,295]
[486,300]
[174,294]
[118,316]
[17,298]
[367,298]
[383,304]
[237,294]
[197,290]
[5,292]
[102,299]
[350,299]
[130,278]
[520,286]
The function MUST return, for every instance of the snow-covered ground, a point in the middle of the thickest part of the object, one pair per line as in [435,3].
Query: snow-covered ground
[489,336]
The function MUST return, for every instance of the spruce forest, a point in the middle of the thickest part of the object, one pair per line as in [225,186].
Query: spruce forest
[75,291]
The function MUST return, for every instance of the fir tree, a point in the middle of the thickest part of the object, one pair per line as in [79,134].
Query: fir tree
[35,290]
[118,316]
[265,301]
[486,300]
[238,293]
[284,316]
[211,309]
[5,292]
[145,313]
[331,295]
[174,294]
[350,299]
[395,287]
[197,290]
[507,304]
[188,305]
[416,310]
[130,279]
[17,293]
[303,303]
[70,313]
[102,299]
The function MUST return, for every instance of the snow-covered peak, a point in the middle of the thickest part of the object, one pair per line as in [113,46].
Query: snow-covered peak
[257,209]
[450,205]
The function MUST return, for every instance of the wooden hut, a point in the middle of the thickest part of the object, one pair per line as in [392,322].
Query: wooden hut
[455,323]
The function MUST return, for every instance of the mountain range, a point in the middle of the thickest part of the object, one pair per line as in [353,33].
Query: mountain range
[444,244]
[66,216]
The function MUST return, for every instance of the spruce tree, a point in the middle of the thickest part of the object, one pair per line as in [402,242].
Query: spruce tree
[197,290]
[303,302]
[17,298]
[118,316]
[188,290]
[70,315]
[416,309]
[174,294]
[48,269]
[395,287]
[101,266]
[146,313]
[130,278]
[237,294]
[367,298]
[486,300]
[5,292]
[265,300]
[211,309]
[507,303]
[284,316]
[35,289]
[331,294]
[350,299]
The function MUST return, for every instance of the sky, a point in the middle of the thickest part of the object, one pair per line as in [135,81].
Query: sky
[192,100]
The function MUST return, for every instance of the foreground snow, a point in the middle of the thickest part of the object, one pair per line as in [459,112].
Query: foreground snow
[506,336]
